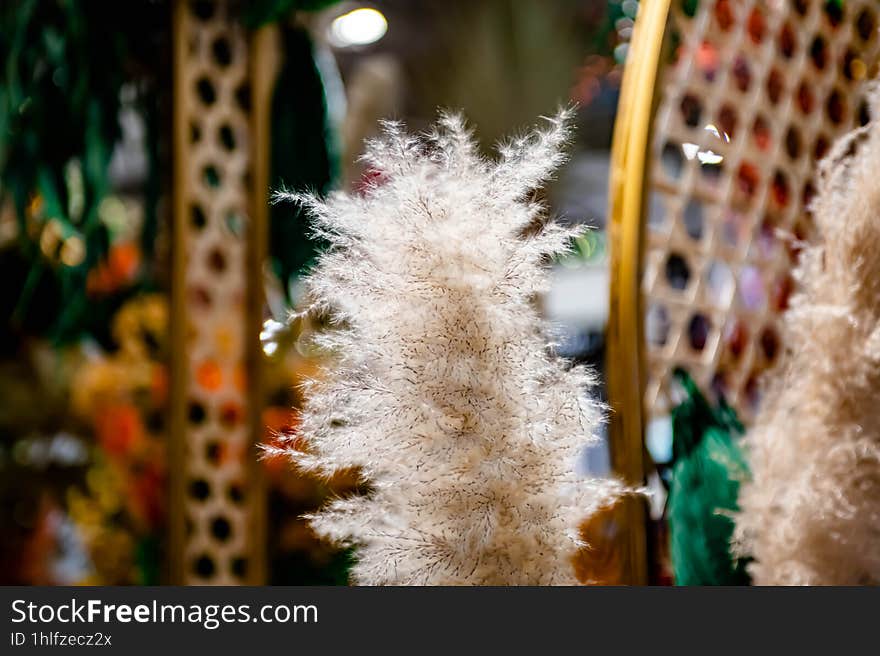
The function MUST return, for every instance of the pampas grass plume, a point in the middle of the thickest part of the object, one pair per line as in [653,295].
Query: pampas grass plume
[443,389]
[810,515]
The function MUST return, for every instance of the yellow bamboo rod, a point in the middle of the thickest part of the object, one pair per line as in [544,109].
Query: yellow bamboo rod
[628,182]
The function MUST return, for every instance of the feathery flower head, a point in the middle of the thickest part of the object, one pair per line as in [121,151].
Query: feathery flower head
[810,514]
[443,389]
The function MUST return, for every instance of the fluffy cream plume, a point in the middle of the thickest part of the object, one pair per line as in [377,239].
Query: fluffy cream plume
[811,512]
[444,390]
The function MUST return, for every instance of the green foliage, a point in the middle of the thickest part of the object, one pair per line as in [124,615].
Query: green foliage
[707,468]
[64,64]
[257,13]
[303,156]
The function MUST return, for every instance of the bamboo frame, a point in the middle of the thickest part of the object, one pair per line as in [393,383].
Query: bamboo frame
[265,65]
[177,328]
[221,173]
[628,182]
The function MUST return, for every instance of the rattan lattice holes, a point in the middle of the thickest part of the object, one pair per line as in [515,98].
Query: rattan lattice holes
[753,94]
[213,201]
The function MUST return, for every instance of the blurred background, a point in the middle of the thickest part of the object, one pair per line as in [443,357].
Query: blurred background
[138,145]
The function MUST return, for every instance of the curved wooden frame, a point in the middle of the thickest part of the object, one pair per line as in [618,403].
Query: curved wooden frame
[628,181]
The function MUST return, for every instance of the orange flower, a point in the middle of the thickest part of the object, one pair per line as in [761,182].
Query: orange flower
[119,428]
[99,281]
[120,268]
[145,498]
[123,261]
[209,375]
[159,384]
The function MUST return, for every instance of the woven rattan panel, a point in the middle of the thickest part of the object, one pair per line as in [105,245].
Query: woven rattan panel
[753,93]
[213,110]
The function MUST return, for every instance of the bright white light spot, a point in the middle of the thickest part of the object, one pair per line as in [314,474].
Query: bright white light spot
[271,328]
[269,335]
[709,157]
[718,133]
[358,28]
